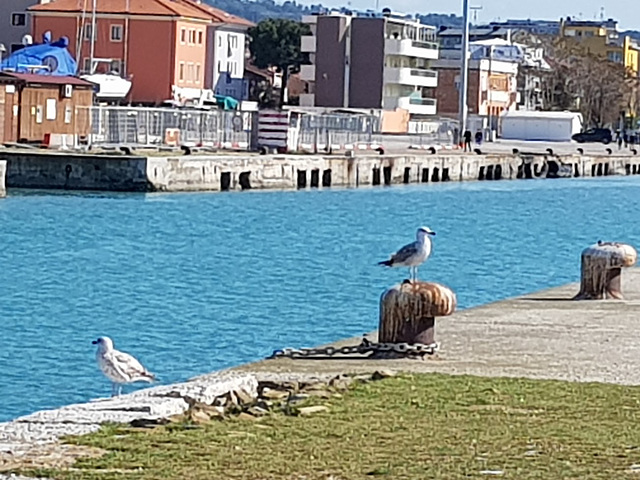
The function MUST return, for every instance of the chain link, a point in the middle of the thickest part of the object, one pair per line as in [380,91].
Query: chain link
[366,346]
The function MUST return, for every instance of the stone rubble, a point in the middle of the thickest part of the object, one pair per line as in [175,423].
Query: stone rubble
[32,440]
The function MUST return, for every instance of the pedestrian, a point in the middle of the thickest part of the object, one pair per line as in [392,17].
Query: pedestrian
[625,138]
[619,139]
[456,136]
[479,137]
[467,140]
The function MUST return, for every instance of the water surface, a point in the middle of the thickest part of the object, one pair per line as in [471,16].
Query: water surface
[191,283]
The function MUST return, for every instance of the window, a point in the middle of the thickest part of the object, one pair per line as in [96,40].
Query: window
[86,65]
[39,113]
[116,33]
[197,79]
[51,108]
[233,40]
[68,114]
[183,35]
[219,40]
[189,72]
[200,37]
[219,66]
[181,71]
[19,19]
[87,32]
[117,66]
[192,37]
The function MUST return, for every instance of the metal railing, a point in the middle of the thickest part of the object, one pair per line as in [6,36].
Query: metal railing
[419,72]
[149,127]
[336,131]
[422,101]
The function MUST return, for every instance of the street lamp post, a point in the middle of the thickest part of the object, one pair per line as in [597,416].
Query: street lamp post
[464,68]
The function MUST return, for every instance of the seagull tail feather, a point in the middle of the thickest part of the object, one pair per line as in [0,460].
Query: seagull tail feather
[386,263]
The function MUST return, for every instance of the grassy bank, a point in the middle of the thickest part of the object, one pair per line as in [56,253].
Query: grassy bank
[408,427]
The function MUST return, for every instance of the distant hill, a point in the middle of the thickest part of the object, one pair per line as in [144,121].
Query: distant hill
[256,10]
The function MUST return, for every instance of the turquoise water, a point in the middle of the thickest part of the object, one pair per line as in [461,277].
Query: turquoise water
[191,283]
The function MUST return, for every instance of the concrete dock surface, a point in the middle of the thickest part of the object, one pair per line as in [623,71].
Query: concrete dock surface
[543,335]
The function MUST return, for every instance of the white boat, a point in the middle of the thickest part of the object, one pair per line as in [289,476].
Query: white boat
[112,86]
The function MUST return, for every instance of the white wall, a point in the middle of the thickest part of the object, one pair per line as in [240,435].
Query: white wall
[228,60]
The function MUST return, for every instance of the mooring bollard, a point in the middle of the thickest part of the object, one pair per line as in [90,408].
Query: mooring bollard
[408,312]
[601,270]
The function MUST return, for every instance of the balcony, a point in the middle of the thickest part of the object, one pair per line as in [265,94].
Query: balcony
[308,73]
[414,105]
[411,48]
[411,76]
[308,43]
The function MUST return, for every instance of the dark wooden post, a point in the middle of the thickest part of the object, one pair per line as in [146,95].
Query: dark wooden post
[408,311]
[601,270]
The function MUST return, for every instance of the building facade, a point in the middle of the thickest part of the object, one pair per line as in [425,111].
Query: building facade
[165,47]
[603,38]
[492,85]
[15,22]
[370,62]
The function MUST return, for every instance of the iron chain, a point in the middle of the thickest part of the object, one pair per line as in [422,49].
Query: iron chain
[365,347]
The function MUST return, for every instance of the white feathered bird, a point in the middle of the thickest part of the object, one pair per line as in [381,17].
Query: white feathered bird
[119,367]
[414,254]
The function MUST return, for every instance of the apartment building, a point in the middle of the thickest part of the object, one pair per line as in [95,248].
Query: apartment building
[15,23]
[226,52]
[169,49]
[604,39]
[493,80]
[370,61]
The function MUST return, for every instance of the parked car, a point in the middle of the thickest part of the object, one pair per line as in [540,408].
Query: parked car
[602,135]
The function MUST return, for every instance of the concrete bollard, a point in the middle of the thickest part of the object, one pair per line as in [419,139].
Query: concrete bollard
[408,311]
[3,178]
[601,270]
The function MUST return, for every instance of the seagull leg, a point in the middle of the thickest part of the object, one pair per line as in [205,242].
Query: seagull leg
[113,389]
[119,389]
[415,273]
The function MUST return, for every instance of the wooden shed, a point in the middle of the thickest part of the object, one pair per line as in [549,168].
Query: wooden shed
[41,108]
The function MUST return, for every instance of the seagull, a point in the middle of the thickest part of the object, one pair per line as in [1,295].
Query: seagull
[413,254]
[119,367]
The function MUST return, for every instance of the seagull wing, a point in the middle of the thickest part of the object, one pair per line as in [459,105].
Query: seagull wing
[405,253]
[130,367]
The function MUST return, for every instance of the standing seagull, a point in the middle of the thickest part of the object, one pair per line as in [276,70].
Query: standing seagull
[119,367]
[413,254]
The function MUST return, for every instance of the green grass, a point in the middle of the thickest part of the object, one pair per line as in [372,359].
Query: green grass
[408,427]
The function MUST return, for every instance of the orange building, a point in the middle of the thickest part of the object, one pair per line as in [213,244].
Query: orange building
[157,44]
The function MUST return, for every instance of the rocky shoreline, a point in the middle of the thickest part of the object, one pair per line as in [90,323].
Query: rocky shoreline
[33,441]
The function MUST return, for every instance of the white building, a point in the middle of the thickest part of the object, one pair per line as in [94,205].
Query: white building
[369,60]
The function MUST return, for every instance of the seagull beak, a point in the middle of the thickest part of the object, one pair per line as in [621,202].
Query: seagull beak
[95,342]
[432,233]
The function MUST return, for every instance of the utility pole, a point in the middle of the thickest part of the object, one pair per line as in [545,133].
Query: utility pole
[93,36]
[475,13]
[464,68]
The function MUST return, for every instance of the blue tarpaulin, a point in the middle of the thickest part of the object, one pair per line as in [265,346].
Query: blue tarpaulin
[54,56]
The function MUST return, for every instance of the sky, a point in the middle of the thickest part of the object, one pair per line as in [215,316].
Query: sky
[625,11]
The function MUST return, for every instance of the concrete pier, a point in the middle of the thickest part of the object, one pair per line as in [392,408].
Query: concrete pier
[244,171]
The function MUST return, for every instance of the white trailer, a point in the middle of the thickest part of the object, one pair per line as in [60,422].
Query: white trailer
[534,125]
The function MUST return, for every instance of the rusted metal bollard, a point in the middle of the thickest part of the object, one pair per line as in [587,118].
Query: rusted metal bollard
[601,270]
[408,312]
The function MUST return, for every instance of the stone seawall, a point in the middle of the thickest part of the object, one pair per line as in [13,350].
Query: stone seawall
[37,169]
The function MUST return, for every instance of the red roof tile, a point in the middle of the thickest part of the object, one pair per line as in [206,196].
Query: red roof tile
[220,16]
[46,79]
[167,8]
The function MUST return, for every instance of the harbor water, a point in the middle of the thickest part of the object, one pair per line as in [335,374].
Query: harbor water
[191,283]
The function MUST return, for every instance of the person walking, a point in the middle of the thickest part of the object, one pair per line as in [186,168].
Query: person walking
[467,140]
[479,137]
[619,139]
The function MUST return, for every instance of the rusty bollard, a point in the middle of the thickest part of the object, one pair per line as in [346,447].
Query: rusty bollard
[408,312]
[601,270]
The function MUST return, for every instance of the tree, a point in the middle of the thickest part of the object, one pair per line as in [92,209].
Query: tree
[275,42]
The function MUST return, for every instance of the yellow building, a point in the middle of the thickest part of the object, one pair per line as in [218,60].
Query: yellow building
[603,39]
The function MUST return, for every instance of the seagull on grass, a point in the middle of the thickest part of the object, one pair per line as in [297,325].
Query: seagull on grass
[119,367]
[413,254]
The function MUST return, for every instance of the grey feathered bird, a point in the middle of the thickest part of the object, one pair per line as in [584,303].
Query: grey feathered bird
[413,254]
